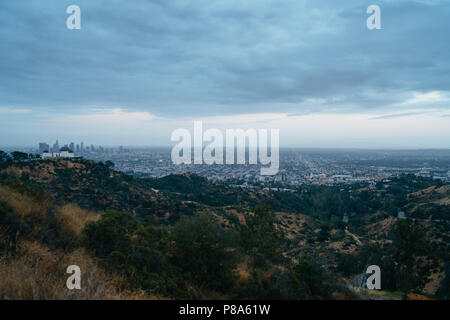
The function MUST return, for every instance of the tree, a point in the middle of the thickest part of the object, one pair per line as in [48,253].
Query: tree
[199,250]
[19,156]
[348,264]
[4,157]
[410,244]
[113,232]
[308,280]
[444,289]
[324,233]
[9,228]
[260,237]
[109,164]
[135,251]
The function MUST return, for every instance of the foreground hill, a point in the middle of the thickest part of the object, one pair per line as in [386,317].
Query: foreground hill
[154,234]
[39,241]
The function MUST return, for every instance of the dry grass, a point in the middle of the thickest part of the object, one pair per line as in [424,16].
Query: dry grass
[415,296]
[27,276]
[433,285]
[37,273]
[22,204]
[73,218]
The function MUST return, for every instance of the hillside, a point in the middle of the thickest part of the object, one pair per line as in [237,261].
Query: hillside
[153,234]
[95,187]
[39,241]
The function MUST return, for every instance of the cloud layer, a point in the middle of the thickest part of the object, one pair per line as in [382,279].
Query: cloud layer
[178,59]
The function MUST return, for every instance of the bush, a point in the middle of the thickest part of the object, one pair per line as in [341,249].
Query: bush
[199,250]
[308,281]
[348,264]
[260,237]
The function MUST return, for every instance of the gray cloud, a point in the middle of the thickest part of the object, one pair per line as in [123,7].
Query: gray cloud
[177,58]
[398,115]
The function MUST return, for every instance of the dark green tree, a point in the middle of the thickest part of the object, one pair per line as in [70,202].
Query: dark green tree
[324,233]
[109,164]
[348,264]
[410,246]
[308,280]
[4,157]
[199,249]
[19,156]
[444,289]
[9,228]
[113,232]
[260,237]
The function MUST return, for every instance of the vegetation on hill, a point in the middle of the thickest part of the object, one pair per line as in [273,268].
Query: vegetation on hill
[183,236]
[38,241]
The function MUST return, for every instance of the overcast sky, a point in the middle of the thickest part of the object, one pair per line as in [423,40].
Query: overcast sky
[139,69]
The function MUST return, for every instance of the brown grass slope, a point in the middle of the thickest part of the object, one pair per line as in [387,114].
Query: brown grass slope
[36,270]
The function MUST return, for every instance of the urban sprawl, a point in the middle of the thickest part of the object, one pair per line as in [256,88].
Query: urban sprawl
[297,166]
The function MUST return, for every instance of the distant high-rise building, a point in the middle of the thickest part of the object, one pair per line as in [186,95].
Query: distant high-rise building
[82,146]
[56,146]
[92,148]
[44,147]
[77,148]
[72,147]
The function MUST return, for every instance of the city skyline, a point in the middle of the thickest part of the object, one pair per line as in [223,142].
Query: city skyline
[35,146]
[305,166]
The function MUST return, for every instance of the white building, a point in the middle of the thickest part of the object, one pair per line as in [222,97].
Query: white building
[63,153]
